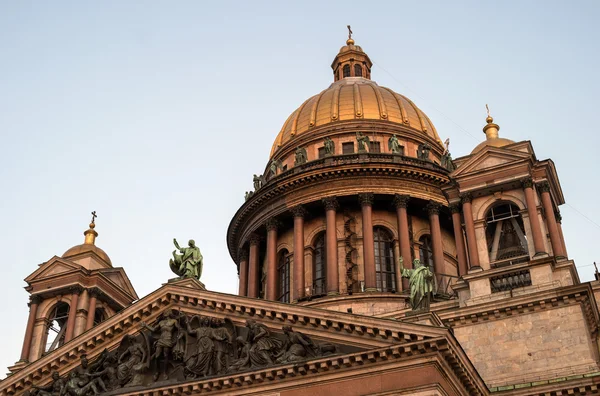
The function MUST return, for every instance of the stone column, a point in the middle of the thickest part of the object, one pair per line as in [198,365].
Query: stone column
[401,203]
[75,292]
[91,312]
[243,257]
[433,209]
[253,275]
[470,230]
[34,302]
[560,232]
[459,239]
[332,273]
[534,220]
[366,202]
[271,292]
[298,212]
[555,239]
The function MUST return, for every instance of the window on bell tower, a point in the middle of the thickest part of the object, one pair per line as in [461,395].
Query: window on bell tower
[346,70]
[357,71]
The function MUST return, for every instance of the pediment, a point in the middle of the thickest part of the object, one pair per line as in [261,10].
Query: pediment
[118,277]
[319,336]
[491,158]
[53,267]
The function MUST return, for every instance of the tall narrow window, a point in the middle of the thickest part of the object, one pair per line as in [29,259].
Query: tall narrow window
[348,148]
[505,233]
[357,71]
[319,266]
[346,70]
[425,251]
[385,267]
[57,326]
[374,147]
[283,271]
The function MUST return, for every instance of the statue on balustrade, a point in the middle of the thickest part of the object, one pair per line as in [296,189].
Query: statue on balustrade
[329,146]
[420,280]
[273,167]
[363,142]
[423,151]
[301,156]
[394,145]
[188,264]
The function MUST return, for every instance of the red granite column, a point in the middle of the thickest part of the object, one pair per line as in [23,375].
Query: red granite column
[470,231]
[253,276]
[401,202]
[560,232]
[555,240]
[299,212]
[33,306]
[366,201]
[536,229]
[91,312]
[243,288]
[75,292]
[433,209]
[271,260]
[333,277]
[459,240]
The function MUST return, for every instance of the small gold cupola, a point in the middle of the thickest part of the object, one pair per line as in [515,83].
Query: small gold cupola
[351,61]
[91,234]
[493,139]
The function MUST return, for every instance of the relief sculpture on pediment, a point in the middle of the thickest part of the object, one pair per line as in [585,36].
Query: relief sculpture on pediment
[180,347]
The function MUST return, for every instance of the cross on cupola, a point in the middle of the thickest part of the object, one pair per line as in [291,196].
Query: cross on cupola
[351,61]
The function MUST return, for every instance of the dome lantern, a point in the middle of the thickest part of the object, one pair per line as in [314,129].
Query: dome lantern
[351,61]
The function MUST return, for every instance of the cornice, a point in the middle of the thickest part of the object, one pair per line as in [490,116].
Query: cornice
[351,329]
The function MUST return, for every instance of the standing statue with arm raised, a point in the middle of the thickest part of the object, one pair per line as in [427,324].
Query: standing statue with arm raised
[420,280]
[189,263]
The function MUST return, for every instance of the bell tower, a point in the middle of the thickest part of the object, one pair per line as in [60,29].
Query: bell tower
[71,294]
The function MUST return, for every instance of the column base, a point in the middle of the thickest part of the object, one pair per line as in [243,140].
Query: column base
[540,255]
[370,289]
[333,293]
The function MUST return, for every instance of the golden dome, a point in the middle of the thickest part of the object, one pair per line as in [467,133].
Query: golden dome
[84,248]
[352,99]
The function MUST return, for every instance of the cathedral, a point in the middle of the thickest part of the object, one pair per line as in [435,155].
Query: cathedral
[370,262]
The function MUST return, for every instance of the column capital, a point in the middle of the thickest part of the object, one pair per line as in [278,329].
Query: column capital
[95,292]
[254,239]
[272,224]
[466,197]
[401,201]
[35,299]
[243,255]
[433,208]
[527,182]
[330,203]
[366,199]
[76,289]
[299,211]
[454,208]
[543,186]
[558,216]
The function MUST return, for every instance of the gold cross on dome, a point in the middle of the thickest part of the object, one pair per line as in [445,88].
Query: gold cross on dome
[94,217]
[349,32]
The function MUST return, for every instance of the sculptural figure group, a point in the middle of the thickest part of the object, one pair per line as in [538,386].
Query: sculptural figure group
[181,347]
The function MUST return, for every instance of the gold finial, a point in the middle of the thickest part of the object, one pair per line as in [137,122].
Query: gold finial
[349,41]
[90,234]
[491,129]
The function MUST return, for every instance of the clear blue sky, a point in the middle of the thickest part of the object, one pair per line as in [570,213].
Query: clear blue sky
[156,114]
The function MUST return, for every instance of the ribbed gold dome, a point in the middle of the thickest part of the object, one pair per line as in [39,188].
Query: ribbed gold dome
[79,249]
[350,99]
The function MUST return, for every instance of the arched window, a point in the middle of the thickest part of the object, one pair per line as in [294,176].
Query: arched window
[385,267]
[426,251]
[505,233]
[346,70]
[320,266]
[99,316]
[283,272]
[57,326]
[357,71]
